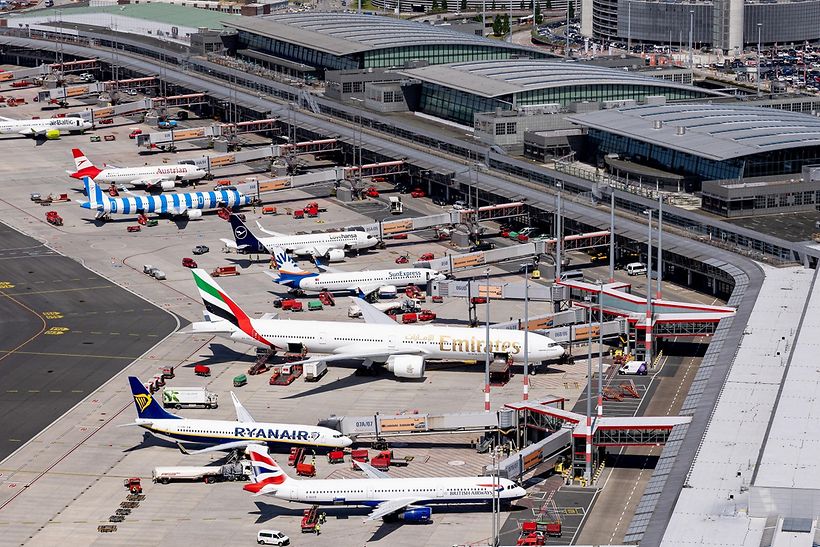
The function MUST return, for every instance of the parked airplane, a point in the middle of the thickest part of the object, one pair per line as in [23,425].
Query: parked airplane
[48,128]
[405,499]
[223,434]
[404,349]
[189,205]
[160,177]
[330,245]
[291,275]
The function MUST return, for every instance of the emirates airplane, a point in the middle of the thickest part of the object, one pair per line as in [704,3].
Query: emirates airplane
[152,177]
[405,499]
[403,349]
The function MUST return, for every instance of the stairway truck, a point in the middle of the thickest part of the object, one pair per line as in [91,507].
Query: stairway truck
[315,370]
[188,397]
[208,475]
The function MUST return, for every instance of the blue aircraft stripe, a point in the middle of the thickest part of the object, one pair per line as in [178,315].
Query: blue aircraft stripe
[163,199]
[212,199]
[188,202]
[126,206]
[175,197]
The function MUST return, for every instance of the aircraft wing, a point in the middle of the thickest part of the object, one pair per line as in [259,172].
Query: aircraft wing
[319,250]
[370,313]
[217,447]
[7,119]
[269,232]
[31,132]
[365,288]
[390,507]
[148,182]
[371,471]
[242,414]
[326,268]
[353,354]
[177,211]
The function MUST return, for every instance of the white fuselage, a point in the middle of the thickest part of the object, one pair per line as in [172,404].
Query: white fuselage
[31,127]
[371,492]
[304,244]
[221,432]
[429,341]
[127,175]
[351,281]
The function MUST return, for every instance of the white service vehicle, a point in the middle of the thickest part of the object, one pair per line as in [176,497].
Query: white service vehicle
[635,268]
[240,470]
[187,397]
[272,537]
[396,207]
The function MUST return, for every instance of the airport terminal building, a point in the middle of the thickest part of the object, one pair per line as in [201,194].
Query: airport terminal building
[703,141]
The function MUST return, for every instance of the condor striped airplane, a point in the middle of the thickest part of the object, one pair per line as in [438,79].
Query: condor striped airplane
[405,499]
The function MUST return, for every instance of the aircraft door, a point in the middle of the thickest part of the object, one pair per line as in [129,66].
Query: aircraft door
[439,492]
[391,341]
[323,338]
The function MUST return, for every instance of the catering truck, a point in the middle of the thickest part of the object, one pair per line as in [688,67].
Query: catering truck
[187,397]
[238,471]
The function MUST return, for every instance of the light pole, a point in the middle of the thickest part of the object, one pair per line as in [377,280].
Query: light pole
[559,233]
[588,456]
[629,27]
[526,330]
[660,245]
[691,27]
[759,71]
[511,20]
[487,348]
[648,343]
[600,349]
[612,235]
[566,30]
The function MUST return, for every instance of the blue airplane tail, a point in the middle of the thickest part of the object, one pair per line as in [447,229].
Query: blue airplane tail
[94,193]
[147,406]
[243,236]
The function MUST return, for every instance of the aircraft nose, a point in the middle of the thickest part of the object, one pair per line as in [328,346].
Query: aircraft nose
[347,441]
[518,492]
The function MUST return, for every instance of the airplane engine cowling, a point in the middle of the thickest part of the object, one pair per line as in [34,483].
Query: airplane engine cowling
[166,185]
[416,514]
[194,213]
[53,134]
[406,366]
[336,255]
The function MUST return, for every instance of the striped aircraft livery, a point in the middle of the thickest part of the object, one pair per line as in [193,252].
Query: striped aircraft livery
[172,204]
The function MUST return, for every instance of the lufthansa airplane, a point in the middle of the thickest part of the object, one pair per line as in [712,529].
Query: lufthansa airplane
[227,435]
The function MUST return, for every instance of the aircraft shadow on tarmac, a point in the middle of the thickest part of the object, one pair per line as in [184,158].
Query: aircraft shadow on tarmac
[222,354]
[149,440]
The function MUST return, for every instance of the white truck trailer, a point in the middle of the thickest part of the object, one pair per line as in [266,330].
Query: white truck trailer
[239,471]
[187,397]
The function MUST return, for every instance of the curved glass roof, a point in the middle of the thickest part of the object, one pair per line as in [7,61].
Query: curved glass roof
[718,132]
[511,76]
[347,33]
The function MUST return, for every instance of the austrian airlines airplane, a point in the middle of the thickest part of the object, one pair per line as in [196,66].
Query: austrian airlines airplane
[152,177]
[330,245]
[189,205]
[226,435]
[405,499]
[291,275]
[403,349]
[46,128]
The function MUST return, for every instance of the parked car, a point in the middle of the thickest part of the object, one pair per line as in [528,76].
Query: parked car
[189,262]
[200,249]
[133,134]
[272,537]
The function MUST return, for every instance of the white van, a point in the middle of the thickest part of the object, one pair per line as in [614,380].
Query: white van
[571,275]
[635,268]
[272,537]
[638,368]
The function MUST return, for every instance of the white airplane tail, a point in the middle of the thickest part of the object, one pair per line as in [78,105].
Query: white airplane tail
[268,477]
[96,199]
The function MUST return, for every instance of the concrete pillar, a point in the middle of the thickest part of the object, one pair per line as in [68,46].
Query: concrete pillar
[736,13]
[688,277]
[586,18]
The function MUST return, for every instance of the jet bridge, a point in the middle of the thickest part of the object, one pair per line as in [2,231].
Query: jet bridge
[74,91]
[165,140]
[266,153]
[412,423]
[47,69]
[139,107]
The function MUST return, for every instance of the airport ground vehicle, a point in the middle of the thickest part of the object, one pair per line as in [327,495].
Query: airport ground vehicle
[396,207]
[418,193]
[427,256]
[222,271]
[133,485]
[314,371]
[53,218]
[635,268]
[200,249]
[187,397]
[335,456]
[572,274]
[483,246]
[133,134]
[372,192]
[167,124]
[209,474]
[189,262]
[402,260]
[156,273]
[638,368]
[135,228]
[271,537]
[202,370]
[239,381]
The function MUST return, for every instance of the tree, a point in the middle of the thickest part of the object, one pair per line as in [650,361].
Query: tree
[463,5]
[549,5]
[571,9]
[538,17]
[498,26]
[530,5]
[505,28]
[444,5]
[521,5]
[435,6]
[492,8]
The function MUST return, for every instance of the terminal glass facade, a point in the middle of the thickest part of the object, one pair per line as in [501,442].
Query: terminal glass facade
[293,52]
[458,106]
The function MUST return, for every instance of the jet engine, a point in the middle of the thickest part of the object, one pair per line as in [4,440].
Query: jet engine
[53,134]
[166,185]
[406,366]
[336,255]
[416,514]
[194,213]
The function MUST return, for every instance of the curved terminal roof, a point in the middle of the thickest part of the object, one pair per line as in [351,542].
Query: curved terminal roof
[718,132]
[511,76]
[348,33]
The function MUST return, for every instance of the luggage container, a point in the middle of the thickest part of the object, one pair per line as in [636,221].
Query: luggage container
[305,469]
[202,370]
[222,271]
[336,456]
[315,305]
[315,370]
[239,381]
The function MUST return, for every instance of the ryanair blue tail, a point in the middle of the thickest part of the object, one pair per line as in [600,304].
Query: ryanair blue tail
[148,407]
[245,240]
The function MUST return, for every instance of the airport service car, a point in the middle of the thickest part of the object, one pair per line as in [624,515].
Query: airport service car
[272,537]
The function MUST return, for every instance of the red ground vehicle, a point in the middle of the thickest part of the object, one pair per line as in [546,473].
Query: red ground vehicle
[402,260]
[336,456]
[305,469]
[202,370]
[112,190]
[523,238]
[133,485]
[22,83]
[142,219]
[533,538]
[189,262]
[53,218]
[409,318]
[505,232]
[312,210]
[133,134]
[299,214]
[222,271]
[310,520]
[288,304]
[136,228]
[478,300]
[326,298]
[372,192]
[296,306]
[400,236]
[106,121]
[426,315]
[427,256]
[438,299]
[359,455]
[417,193]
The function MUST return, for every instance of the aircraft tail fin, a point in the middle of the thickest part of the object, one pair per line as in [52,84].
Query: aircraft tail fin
[96,199]
[147,407]
[84,166]
[290,273]
[244,237]
[268,477]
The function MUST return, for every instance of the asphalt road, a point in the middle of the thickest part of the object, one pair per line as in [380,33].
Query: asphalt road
[64,331]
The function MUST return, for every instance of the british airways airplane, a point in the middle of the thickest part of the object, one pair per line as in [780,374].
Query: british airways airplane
[227,435]
[189,205]
[408,500]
